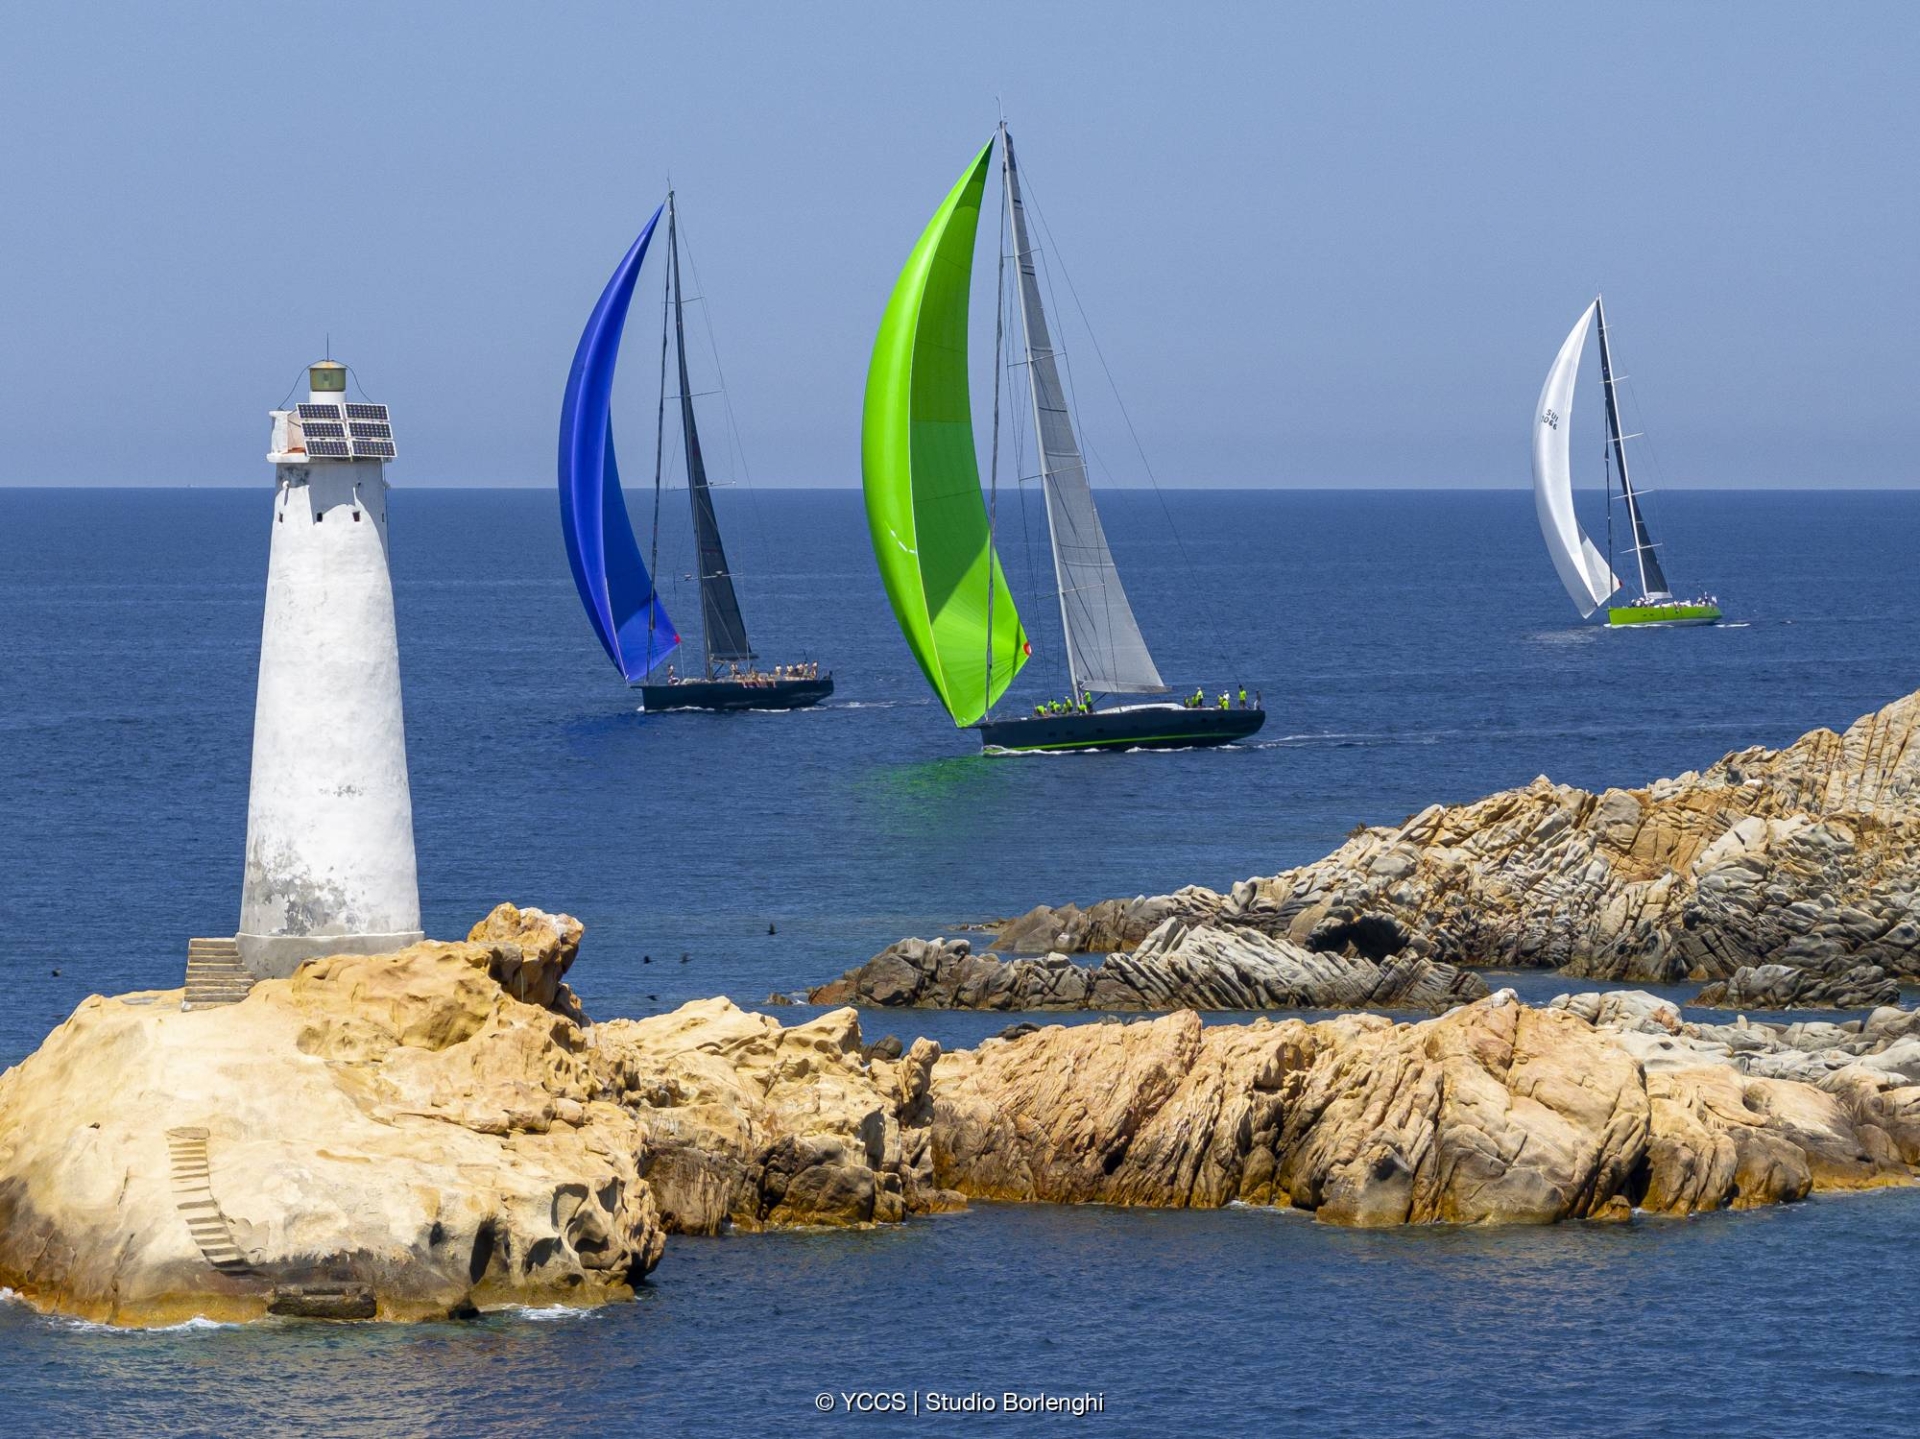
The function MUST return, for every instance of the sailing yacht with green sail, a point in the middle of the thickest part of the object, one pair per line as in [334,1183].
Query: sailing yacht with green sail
[1588,574]
[933,531]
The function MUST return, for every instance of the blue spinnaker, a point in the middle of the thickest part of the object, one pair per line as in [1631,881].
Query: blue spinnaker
[619,594]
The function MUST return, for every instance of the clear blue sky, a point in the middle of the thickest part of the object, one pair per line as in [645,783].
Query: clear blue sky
[1326,245]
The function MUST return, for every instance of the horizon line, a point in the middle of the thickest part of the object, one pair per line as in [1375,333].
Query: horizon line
[238,486]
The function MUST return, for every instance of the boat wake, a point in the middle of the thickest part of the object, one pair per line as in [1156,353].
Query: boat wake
[1335,739]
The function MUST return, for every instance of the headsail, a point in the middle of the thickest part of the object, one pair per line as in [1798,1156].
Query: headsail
[922,479]
[1583,569]
[614,585]
[725,630]
[1105,650]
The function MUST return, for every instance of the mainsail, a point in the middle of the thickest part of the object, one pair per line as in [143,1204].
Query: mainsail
[618,593]
[1653,581]
[1105,650]
[724,629]
[921,477]
[1583,569]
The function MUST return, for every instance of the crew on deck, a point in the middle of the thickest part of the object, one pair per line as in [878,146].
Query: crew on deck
[779,674]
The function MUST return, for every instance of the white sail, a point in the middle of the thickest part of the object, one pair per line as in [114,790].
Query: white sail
[1583,569]
[1105,649]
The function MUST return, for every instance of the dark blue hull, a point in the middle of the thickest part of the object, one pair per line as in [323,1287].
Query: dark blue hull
[733,694]
[1159,726]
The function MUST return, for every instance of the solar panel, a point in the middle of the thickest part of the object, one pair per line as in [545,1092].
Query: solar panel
[347,431]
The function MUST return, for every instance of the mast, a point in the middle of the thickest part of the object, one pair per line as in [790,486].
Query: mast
[1105,649]
[1025,260]
[723,631]
[993,459]
[659,451]
[1653,582]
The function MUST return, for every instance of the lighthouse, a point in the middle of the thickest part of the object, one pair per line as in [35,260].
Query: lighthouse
[329,861]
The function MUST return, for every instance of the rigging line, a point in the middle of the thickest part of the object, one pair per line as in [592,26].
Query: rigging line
[1653,455]
[726,403]
[659,447]
[1211,623]
[1623,387]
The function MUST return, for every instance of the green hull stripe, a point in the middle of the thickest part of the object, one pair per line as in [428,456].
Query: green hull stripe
[1661,614]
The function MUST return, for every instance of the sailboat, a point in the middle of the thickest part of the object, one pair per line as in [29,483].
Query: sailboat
[1588,574]
[615,583]
[933,532]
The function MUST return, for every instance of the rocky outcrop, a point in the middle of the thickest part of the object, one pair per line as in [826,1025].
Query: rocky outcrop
[397,1127]
[1806,857]
[1067,929]
[405,1136]
[751,1125]
[1781,986]
[1494,1113]
[533,951]
[402,1136]
[1174,967]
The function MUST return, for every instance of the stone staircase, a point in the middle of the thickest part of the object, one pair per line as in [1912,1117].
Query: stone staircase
[193,1197]
[214,974]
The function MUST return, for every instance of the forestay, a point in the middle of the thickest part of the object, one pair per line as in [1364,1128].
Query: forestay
[1583,569]
[1105,650]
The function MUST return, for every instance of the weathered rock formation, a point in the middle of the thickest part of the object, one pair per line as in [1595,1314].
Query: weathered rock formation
[403,1135]
[1807,857]
[1781,986]
[1494,1113]
[751,1125]
[1174,967]
[1112,924]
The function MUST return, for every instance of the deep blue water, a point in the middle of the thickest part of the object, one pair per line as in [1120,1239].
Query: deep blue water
[1410,647]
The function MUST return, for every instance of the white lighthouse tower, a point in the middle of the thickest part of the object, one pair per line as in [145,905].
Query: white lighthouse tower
[330,866]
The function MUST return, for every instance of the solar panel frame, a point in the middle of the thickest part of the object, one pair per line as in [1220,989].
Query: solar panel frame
[320,412]
[356,410]
[369,430]
[324,430]
[373,449]
[328,450]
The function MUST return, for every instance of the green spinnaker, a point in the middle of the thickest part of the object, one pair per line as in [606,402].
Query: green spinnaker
[922,478]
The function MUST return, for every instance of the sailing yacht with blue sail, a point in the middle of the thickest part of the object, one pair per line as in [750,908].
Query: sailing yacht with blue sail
[933,534]
[1587,574]
[615,583]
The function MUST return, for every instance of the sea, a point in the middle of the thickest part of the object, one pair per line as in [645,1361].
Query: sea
[1409,646]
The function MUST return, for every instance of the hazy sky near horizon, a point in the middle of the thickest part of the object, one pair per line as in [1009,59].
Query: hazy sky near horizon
[1328,245]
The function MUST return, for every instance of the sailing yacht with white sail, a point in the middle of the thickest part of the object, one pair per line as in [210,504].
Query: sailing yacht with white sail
[933,534]
[1588,574]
